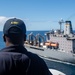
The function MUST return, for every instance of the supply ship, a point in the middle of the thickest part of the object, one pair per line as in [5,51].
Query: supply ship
[59,45]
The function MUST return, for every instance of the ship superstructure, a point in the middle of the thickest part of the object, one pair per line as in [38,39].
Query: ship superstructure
[66,39]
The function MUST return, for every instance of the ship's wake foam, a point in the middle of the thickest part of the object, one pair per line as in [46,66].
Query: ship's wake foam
[56,72]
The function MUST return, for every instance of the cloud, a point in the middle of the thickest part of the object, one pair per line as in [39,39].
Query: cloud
[3,19]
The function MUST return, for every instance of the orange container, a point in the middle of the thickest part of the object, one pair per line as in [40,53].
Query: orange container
[48,43]
[54,44]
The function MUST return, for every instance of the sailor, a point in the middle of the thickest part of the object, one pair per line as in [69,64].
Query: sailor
[14,58]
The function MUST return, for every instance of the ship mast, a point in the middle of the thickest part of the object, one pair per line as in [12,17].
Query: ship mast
[60,23]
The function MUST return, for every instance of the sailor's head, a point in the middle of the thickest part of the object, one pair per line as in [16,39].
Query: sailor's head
[14,29]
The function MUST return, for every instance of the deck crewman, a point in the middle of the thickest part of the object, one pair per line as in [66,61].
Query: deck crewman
[14,58]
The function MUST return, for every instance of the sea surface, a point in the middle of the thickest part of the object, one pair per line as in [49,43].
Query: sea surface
[68,69]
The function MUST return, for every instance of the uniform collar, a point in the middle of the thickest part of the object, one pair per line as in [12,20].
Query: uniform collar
[17,48]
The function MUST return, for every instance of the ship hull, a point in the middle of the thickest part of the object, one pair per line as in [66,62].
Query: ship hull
[53,54]
[57,60]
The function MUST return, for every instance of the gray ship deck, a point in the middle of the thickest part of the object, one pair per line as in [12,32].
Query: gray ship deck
[52,54]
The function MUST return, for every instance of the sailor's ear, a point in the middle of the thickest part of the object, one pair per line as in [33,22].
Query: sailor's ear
[4,39]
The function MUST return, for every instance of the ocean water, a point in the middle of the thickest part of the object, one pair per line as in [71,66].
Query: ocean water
[2,44]
[68,69]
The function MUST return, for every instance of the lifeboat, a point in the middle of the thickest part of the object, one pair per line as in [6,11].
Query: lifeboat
[54,44]
[48,43]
